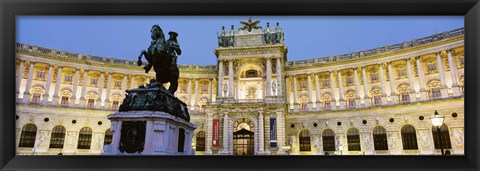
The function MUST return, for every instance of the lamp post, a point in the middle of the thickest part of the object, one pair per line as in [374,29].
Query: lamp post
[437,121]
[286,148]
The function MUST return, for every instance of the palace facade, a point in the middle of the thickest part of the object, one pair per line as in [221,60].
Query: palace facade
[255,101]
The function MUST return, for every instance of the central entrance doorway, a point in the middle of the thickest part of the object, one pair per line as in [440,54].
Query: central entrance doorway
[243,137]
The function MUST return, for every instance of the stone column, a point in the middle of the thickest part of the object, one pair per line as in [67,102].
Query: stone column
[357,92]
[189,93]
[382,84]
[366,97]
[225,134]
[26,93]
[341,100]
[279,77]
[148,79]
[230,78]
[19,78]
[287,91]
[423,91]
[46,95]
[332,91]
[309,87]
[295,103]
[124,85]
[75,86]
[220,79]
[109,85]
[412,94]
[132,82]
[453,73]
[196,107]
[208,139]
[261,143]
[57,87]
[100,89]
[393,94]
[268,77]
[317,93]
[443,87]
[210,90]
[280,132]
[84,88]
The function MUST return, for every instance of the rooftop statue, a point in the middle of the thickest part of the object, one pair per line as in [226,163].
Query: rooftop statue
[250,25]
[162,57]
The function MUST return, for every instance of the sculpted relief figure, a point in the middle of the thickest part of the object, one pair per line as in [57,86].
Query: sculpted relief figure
[225,88]
[458,137]
[274,87]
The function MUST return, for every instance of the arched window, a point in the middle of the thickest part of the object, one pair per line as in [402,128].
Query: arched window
[85,138]
[27,138]
[409,138]
[445,137]
[353,139]
[328,138]
[58,137]
[251,73]
[200,141]
[380,138]
[304,139]
[108,137]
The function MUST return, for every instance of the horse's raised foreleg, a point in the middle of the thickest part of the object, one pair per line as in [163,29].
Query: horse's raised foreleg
[149,60]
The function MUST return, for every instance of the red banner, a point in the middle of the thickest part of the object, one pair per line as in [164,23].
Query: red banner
[215,142]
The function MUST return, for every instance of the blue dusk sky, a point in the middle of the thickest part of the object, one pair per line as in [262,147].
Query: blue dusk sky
[306,37]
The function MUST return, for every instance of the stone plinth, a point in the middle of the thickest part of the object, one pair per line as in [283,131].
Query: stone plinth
[149,133]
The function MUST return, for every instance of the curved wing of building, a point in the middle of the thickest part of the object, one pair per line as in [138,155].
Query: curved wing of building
[255,101]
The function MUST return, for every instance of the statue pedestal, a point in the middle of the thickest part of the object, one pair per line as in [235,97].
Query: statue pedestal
[149,133]
[151,121]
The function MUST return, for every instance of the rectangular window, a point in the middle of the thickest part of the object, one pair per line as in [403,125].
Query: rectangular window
[204,88]
[327,105]
[432,67]
[202,109]
[94,81]
[463,61]
[273,132]
[68,78]
[304,106]
[91,103]
[351,103]
[36,98]
[184,88]
[374,77]
[41,74]
[405,97]
[64,101]
[303,85]
[401,73]
[436,93]
[115,105]
[325,83]
[377,100]
[349,80]
[118,84]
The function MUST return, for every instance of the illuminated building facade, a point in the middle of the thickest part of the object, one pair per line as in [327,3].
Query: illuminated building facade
[255,101]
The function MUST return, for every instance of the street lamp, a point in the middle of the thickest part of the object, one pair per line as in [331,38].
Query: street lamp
[286,148]
[437,121]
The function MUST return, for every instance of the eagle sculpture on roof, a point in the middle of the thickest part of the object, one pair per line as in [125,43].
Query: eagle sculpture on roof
[250,24]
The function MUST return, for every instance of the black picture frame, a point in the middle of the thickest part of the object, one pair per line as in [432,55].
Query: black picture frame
[469,8]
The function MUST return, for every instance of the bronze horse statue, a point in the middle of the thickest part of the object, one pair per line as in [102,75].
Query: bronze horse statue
[161,55]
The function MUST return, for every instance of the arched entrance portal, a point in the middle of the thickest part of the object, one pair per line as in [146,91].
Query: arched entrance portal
[243,137]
